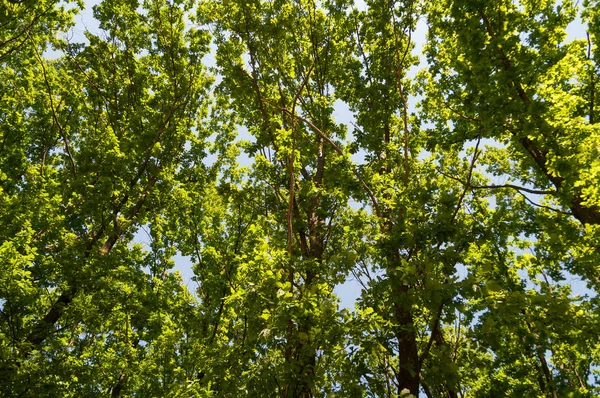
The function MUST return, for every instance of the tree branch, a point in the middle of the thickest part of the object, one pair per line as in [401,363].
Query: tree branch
[54,116]
[516,188]
[337,149]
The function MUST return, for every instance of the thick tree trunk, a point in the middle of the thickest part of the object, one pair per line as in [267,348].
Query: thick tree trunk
[408,354]
[407,376]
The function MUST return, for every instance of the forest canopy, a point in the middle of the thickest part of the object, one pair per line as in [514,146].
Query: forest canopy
[443,155]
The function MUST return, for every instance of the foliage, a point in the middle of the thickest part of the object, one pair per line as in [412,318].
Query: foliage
[463,199]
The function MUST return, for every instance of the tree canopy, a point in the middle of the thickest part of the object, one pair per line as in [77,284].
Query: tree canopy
[463,197]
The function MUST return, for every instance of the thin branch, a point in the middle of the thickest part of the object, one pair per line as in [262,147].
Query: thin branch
[400,62]
[581,382]
[337,149]
[455,350]
[291,164]
[434,332]
[592,80]
[516,188]
[544,206]
[54,116]
[468,184]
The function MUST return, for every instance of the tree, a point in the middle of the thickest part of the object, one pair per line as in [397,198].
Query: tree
[545,138]
[94,139]
[463,218]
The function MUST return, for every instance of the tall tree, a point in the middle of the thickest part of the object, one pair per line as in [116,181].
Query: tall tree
[95,139]
[536,111]
[278,79]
